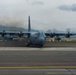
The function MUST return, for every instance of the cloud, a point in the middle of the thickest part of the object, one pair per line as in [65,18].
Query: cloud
[11,21]
[37,3]
[68,7]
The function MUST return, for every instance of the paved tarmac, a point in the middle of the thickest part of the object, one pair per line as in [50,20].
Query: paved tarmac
[37,72]
[37,61]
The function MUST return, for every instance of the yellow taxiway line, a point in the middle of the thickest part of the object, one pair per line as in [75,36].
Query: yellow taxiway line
[37,67]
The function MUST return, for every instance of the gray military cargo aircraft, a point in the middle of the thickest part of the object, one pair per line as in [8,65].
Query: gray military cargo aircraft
[36,38]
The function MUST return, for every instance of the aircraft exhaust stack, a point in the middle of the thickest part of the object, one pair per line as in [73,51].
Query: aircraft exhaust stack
[29,26]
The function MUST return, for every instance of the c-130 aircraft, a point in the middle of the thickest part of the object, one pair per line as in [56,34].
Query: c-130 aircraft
[38,38]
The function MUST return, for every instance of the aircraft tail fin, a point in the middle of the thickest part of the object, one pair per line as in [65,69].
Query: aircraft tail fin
[29,25]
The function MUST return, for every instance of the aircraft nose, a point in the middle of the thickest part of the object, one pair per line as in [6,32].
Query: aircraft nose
[42,40]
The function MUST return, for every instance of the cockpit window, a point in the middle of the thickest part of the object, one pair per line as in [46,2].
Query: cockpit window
[41,34]
[36,35]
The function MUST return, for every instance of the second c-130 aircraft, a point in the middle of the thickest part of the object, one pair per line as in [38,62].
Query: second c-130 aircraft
[37,38]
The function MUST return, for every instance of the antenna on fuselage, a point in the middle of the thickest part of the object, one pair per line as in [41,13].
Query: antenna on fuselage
[29,24]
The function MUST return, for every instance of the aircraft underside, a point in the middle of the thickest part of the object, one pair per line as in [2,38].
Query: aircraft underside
[36,44]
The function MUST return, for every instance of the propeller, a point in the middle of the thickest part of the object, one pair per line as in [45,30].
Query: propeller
[20,34]
[68,33]
[3,33]
[51,34]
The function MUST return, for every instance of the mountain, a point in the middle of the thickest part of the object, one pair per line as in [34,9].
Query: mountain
[13,28]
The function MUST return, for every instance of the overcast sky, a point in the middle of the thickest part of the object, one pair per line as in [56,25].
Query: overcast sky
[45,14]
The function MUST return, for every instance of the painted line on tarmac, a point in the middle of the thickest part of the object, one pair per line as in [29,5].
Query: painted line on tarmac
[37,67]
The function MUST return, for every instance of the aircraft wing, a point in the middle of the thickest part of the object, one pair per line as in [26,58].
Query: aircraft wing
[60,34]
[14,33]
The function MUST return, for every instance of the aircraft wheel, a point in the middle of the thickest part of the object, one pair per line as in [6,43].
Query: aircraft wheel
[40,46]
[27,44]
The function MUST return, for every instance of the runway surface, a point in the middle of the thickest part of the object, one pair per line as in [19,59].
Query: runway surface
[37,72]
[37,61]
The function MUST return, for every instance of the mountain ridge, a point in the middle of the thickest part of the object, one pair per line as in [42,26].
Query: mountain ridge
[13,28]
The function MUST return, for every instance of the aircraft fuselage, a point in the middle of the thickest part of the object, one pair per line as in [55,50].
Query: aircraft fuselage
[37,39]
